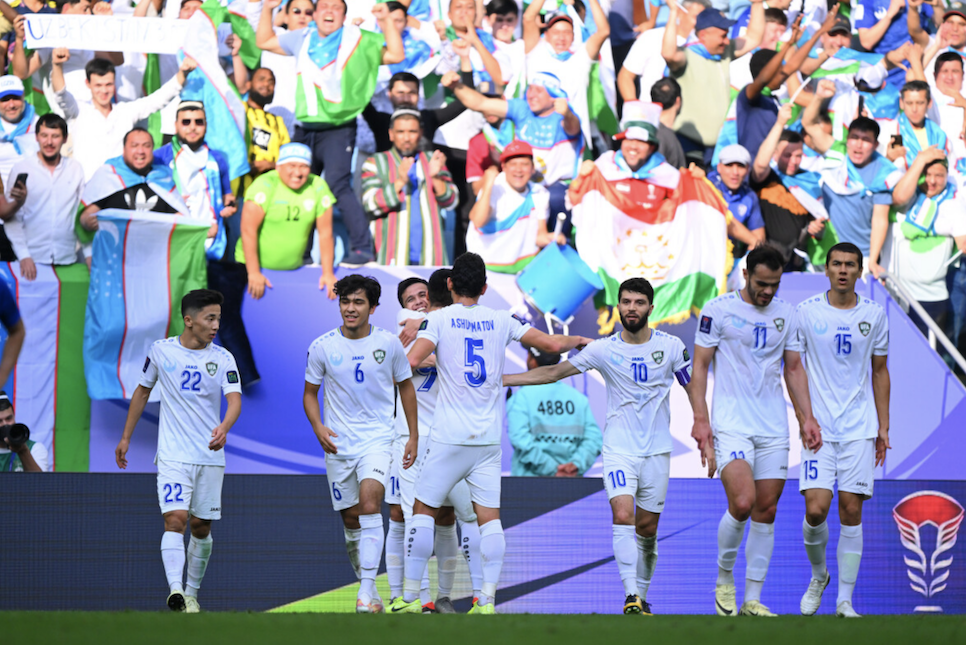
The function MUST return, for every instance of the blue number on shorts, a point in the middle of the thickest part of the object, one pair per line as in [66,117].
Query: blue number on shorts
[761,336]
[843,344]
[176,489]
[639,371]
[617,478]
[737,454]
[393,485]
[811,469]
[360,375]
[427,384]
[477,376]
[189,385]
[335,493]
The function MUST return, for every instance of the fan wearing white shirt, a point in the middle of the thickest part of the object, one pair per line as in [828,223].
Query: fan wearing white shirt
[362,366]
[842,335]
[470,342]
[192,373]
[748,334]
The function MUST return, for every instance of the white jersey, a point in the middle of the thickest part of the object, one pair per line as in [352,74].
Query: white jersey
[838,346]
[427,389]
[638,379]
[750,342]
[192,382]
[471,344]
[360,377]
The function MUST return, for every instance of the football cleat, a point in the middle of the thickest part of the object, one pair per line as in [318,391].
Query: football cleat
[400,606]
[376,606]
[445,606]
[755,608]
[813,595]
[724,600]
[176,601]
[362,605]
[845,610]
[633,604]
[429,608]
[647,609]
[485,610]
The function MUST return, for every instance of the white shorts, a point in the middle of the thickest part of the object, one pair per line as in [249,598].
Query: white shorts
[767,456]
[444,465]
[643,478]
[850,463]
[345,476]
[396,469]
[458,498]
[190,487]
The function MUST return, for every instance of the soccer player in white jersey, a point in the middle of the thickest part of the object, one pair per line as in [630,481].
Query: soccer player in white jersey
[470,342]
[747,334]
[639,365]
[417,298]
[193,373]
[842,334]
[361,366]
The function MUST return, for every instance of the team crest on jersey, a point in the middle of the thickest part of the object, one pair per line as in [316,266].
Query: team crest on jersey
[658,357]
[865,328]
[779,323]
[379,355]
[212,368]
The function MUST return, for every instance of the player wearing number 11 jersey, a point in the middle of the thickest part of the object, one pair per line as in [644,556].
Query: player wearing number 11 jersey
[842,334]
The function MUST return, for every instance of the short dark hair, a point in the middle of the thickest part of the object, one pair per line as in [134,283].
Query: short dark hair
[392,5]
[844,247]
[791,136]
[469,275]
[865,124]
[759,60]
[403,77]
[195,301]
[51,120]
[5,402]
[773,14]
[99,67]
[637,285]
[136,128]
[824,118]
[405,284]
[542,358]
[355,282]
[502,8]
[288,5]
[766,255]
[666,91]
[916,86]
[439,294]
[947,57]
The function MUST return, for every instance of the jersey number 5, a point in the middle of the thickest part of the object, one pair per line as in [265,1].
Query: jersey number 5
[476,376]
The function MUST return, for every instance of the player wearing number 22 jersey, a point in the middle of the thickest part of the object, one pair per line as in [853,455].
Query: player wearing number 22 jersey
[842,336]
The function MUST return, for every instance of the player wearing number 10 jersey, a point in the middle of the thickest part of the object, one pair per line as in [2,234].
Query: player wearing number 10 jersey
[841,334]
[639,366]
[470,342]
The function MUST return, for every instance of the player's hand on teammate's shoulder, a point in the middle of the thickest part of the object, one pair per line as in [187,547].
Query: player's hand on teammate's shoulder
[584,341]
[409,330]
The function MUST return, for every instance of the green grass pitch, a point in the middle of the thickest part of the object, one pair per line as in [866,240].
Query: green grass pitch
[146,628]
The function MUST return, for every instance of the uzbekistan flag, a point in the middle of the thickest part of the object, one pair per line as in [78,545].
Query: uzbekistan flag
[143,264]
[846,62]
[680,245]
[47,387]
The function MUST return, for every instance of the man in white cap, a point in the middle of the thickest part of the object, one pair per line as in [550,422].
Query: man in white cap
[880,100]
[747,228]
[18,118]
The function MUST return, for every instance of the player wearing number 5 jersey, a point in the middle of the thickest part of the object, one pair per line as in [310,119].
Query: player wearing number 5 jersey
[192,373]
[841,335]
[639,365]
[470,342]
[747,334]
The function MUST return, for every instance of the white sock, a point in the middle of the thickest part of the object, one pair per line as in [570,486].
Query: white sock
[470,544]
[419,548]
[352,548]
[730,534]
[198,553]
[625,552]
[424,596]
[447,552]
[646,561]
[172,555]
[849,557]
[492,550]
[816,539]
[758,549]
[394,557]
[370,551]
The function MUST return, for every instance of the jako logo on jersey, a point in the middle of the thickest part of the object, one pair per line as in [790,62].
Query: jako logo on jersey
[705,324]
[779,323]
[658,357]
[865,328]
[379,355]
[911,514]
[212,368]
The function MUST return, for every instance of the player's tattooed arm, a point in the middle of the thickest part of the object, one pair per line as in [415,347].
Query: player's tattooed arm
[797,381]
[310,402]
[541,375]
[407,396]
[138,400]
[697,391]
[881,385]
[219,436]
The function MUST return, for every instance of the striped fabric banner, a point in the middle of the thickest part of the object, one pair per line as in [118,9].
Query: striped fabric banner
[47,387]
[143,264]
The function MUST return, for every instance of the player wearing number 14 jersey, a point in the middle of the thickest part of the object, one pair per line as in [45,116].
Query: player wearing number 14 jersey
[841,335]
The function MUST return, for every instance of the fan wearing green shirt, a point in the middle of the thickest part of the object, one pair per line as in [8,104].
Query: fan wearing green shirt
[281,206]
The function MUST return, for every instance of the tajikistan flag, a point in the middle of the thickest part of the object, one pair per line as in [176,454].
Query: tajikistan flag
[143,264]
[47,387]
[680,245]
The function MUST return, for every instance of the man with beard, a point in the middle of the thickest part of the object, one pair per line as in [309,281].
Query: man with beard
[639,365]
[266,131]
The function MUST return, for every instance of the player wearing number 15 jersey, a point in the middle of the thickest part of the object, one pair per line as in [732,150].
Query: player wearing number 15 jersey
[192,373]
[361,366]
[639,366]
[842,334]
[747,334]
[470,342]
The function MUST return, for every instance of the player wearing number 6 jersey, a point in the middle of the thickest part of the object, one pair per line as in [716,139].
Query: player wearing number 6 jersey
[639,365]
[361,366]
[841,334]
[192,373]
[747,334]
[470,342]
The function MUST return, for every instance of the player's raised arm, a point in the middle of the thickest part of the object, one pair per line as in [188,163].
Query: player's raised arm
[697,391]
[219,436]
[138,400]
[407,396]
[881,385]
[541,375]
[797,381]
[310,402]
[553,344]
